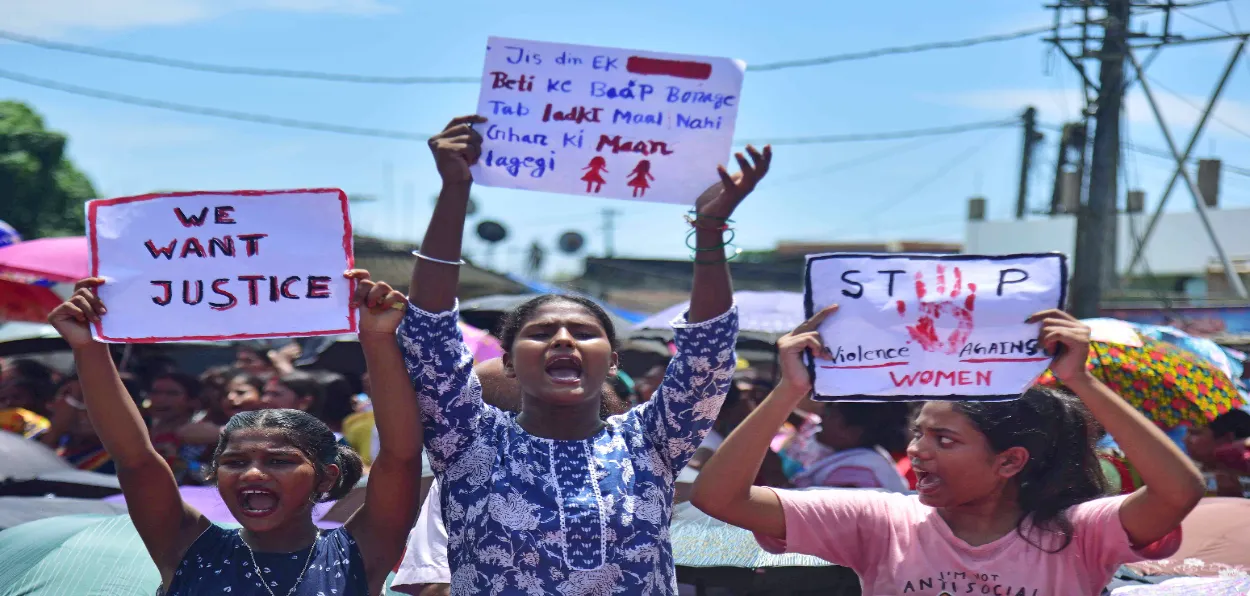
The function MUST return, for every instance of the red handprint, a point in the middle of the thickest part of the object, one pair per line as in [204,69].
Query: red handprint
[924,332]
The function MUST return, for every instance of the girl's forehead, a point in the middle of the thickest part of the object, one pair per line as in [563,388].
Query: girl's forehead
[941,413]
[248,439]
[561,311]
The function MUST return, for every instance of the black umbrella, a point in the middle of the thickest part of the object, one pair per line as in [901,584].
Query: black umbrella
[28,468]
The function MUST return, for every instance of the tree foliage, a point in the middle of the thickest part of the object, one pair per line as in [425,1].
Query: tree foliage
[41,192]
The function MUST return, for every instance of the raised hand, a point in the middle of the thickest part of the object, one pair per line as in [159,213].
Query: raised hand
[791,346]
[956,304]
[72,319]
[457,148]
[1066,338]
[381,307]
[721,199]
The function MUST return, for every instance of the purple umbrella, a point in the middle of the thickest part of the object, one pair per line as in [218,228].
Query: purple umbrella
[763,312]
[208,501]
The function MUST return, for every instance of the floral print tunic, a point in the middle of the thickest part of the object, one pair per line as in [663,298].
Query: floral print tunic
[534,516]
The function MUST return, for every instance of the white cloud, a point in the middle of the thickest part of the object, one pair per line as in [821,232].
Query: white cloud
[57,17]
[1180,112]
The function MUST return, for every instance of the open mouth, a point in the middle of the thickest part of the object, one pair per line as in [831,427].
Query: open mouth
[926,482]
[258,502]
[564,370]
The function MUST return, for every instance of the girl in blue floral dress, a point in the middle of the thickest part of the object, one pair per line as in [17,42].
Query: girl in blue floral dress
[271,466]
[554,500]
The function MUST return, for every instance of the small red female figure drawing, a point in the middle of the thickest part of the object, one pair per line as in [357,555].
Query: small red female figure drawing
[641,173]
[593,178]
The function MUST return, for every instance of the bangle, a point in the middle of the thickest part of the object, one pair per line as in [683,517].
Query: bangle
[698,215]
[694,223]
[692,246]
[417,253]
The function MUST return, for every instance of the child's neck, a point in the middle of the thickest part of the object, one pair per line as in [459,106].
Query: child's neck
[285,539]
[983,522]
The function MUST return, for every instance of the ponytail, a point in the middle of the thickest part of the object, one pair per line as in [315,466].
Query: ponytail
[350,470]
[1063,468]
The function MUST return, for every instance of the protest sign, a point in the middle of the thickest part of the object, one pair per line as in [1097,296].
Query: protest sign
[930,327]
[605,122]
[222,265]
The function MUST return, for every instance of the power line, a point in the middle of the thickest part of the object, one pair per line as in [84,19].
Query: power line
[152,59]
[938,174]
[1199,108]
[208,111]
[884,136]
[888,152]
[227,69]
[411,136]
[923,47]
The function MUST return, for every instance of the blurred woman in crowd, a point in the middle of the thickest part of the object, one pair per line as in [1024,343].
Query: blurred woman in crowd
[71,433]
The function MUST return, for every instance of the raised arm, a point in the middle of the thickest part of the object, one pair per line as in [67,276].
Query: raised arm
[166,524]
[724,487]
[436,274]
[439,366]
[1172,485]
[380,526]
[713,293]
[684,406]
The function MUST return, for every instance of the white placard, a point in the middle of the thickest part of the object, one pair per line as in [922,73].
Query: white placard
[605,122]
[222,265]
[928,326]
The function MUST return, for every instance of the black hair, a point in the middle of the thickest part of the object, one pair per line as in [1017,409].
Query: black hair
[308,434]
[512,322]
[40,391]
[1062,470]
[190,385]
[336,398]
[1232,422]
[33,370]
[884,424]
[303,384]
[256,382]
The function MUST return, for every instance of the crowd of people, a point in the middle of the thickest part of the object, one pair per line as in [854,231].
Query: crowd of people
[554,473]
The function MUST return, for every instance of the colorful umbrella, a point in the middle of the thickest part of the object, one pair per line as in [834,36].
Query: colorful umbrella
[58,259]
[26,303]
[1172,386]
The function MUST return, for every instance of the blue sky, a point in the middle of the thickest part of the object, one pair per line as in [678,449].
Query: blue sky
[900,195]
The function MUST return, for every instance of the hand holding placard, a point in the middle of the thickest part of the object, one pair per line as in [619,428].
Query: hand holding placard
[457,148]
[803,340]
[1067,339]
[73,318]
[381,307]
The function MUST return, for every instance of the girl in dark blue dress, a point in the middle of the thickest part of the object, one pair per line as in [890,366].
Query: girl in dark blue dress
[270,466]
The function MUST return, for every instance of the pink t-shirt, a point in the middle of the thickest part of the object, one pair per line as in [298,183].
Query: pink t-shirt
[899,546]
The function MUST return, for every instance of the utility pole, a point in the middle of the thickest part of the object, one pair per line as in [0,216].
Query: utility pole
[609,229]
[1031,138]
[1094,265]
[1094,268]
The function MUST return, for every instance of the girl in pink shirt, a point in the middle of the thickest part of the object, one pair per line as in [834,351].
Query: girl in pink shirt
[1009,492]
